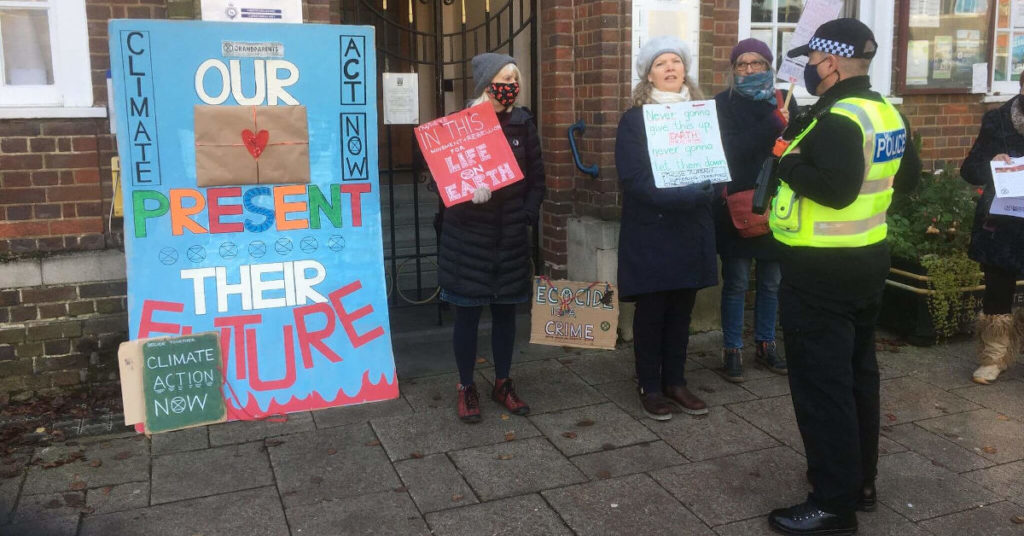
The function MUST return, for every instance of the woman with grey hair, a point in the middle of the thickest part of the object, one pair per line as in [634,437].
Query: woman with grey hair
[666,241]
[751,116]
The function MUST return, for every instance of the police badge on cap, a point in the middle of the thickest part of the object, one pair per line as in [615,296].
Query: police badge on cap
[846,38]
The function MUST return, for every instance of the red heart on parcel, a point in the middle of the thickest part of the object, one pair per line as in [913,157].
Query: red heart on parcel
[255,142]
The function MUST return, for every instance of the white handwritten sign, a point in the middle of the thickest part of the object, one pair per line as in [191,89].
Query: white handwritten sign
[815,13]
[685,143]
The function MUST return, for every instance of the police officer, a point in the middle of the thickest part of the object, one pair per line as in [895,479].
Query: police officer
[848,154]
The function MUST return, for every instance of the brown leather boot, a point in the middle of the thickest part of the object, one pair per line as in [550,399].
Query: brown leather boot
[688,401]
[655,405]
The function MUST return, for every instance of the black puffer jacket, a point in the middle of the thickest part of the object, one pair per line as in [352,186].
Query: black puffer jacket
[995,240]
[485,248]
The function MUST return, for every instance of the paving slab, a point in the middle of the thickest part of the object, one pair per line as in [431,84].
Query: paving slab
[180,441]
[632,504]
[991,520]
[986,433]
[49,505]
[187,475]
[611,366]
[624,395]
[9,488]
[712,360]
[775,417]
[387,513]
[549,386]
[340,416]
[776,385]
[117,498]
[908,399]
[936,448]
[252,513]
[628,460]
[918,489]
[441,430]
[941,369]
[229,433]
[591,429]
[719,433]
[332,463]
[53,526]
[1006,397]
[434,483]
[1006,480]
[515,468]
[734,488]
[526,515]
[714,389]
[439,392]
[882,522]
[116,461]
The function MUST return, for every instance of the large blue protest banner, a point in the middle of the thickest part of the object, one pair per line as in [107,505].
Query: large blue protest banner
[252,204]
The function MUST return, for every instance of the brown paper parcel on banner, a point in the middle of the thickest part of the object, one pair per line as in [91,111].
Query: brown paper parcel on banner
[574,313]
[238,145]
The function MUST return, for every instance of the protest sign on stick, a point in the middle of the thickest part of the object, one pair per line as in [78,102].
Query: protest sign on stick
[685,143]
[815,13]
[467,150]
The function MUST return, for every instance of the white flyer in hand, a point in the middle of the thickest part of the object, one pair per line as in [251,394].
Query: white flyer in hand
[1008,178]
[1008,206]
[685,143]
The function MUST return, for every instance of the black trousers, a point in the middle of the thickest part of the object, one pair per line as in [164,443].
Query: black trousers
[503,338]
[661,332]
[1000,285]
[833,378]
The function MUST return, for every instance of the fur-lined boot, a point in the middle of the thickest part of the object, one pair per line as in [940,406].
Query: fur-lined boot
[997,345]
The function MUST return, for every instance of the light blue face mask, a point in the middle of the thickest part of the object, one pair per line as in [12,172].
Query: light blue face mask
[757,86]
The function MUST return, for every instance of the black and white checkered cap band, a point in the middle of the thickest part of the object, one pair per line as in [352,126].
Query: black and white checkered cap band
[831,47]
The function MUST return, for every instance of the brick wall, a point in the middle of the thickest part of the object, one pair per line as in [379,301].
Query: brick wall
[60,335]
[947,125]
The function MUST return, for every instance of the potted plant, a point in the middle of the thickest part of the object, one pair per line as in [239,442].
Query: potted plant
[934,289]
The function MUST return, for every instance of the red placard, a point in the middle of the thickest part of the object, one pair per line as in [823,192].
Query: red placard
[466,150]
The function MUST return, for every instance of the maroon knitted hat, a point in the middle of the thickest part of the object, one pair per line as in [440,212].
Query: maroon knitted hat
[751,45]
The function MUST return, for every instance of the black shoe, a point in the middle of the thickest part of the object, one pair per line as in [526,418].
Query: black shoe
[806,518]
[767,356]
[868,498]
[732,362]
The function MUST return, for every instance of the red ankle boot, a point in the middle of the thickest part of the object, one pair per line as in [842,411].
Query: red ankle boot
[469,403]
[505,394]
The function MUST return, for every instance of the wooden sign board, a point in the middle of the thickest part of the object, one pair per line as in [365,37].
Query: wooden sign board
[573,313]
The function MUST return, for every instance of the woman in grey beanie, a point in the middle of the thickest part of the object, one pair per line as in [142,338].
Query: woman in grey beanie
[484,255]
[666,240]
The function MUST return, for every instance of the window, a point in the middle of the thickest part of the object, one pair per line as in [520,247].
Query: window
[941,43]
[44,60]
[774,21]
[1008,53]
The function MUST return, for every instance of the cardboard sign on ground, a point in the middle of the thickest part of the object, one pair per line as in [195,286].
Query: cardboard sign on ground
[466,150]
[573,313]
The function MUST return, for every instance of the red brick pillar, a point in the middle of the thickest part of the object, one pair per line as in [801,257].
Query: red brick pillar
[556,114]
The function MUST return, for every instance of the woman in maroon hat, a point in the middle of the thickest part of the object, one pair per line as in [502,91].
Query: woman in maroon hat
[751,115]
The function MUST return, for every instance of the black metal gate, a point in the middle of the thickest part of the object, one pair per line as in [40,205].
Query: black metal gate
[436,39]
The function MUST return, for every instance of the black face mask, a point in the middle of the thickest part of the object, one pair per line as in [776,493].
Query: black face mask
[811,77]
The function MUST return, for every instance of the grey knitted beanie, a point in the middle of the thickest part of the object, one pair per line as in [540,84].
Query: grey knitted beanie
[658,46]
[485,67]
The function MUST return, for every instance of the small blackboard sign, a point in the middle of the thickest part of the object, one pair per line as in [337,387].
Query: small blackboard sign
[181,380]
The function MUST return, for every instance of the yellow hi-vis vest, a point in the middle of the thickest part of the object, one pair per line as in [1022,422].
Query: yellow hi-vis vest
[798,221]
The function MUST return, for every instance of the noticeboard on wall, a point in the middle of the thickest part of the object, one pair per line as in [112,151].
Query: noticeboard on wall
[941,41]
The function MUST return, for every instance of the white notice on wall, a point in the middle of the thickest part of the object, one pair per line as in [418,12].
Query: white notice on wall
[924,13]
[653,18]
[685,143]
[252,10]
[917,62]
[815,13]
[401,99]
[979,78]
[1008,178]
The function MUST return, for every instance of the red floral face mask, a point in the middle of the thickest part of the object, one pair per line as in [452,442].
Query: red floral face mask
[504,93]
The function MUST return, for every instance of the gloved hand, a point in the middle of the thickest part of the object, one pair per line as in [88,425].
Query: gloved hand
[481,195]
